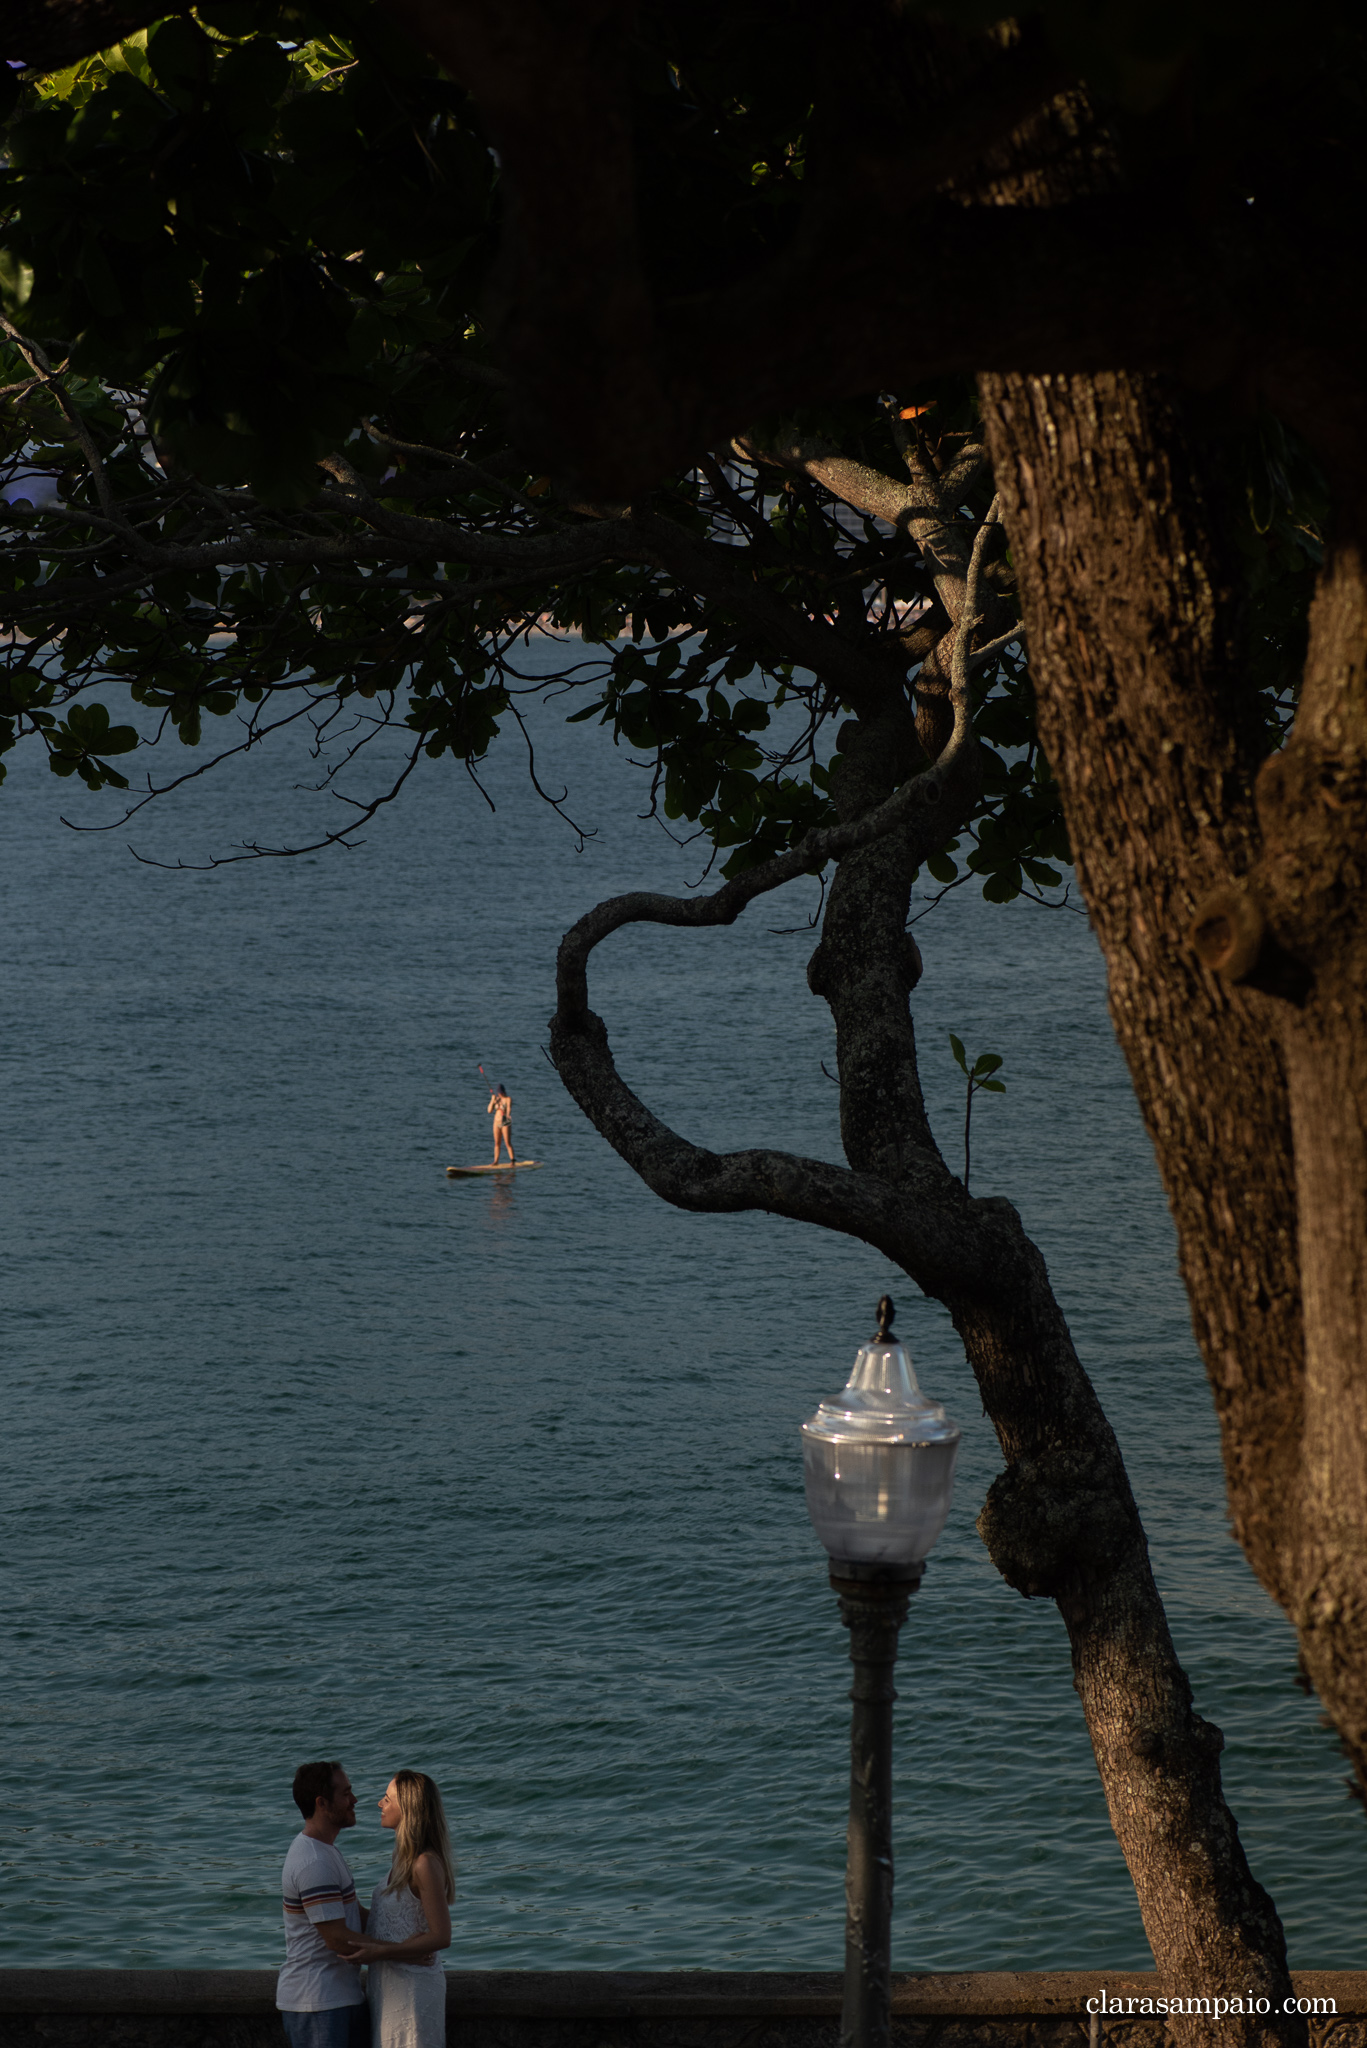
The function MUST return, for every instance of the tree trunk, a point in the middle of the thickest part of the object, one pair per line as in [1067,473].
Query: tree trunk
[1252,1078]
[1130,632]
[1060,1520]
[1309,889]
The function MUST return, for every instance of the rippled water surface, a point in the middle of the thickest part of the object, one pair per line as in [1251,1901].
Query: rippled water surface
[311,1451]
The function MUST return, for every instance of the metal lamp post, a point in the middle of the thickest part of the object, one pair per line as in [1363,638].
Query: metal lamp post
[879,1467]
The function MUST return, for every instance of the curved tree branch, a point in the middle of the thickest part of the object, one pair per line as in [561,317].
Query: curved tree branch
[923,803]
[927,508]
[922,506]
[1060,1520]
[917,1234]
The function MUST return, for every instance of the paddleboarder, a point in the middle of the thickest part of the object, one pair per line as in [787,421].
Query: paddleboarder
[501,1110]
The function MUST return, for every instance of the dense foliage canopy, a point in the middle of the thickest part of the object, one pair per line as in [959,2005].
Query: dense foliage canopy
[257,460]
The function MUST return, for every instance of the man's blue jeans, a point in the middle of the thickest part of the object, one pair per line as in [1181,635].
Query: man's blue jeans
[343,2026]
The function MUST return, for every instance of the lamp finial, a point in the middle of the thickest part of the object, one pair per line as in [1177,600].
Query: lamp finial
[885,1334]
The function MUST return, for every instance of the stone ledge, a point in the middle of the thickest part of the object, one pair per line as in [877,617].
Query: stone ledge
[473,1995]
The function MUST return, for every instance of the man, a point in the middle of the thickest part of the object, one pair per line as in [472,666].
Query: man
[321,2000]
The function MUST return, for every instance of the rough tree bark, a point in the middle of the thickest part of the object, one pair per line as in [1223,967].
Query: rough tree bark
[1309,884]
[1251,1076]
[1133,651]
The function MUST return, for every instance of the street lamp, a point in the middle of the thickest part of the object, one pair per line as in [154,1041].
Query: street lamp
[878,1462]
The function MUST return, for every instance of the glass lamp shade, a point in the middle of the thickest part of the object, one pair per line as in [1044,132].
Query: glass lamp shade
[879,1463]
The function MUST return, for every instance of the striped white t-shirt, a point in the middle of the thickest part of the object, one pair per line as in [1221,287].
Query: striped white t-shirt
[317,1886]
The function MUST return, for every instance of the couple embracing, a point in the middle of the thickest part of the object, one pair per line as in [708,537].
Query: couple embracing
[328,1934]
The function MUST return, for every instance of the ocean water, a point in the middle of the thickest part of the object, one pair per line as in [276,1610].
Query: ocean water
[309,1451]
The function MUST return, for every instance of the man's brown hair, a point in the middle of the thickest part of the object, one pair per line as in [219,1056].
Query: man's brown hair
[313,1782]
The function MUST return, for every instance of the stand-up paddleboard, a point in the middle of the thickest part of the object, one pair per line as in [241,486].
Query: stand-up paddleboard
[460,1172]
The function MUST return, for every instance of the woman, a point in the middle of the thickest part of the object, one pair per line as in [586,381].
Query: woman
[410,1920]
[501,1110]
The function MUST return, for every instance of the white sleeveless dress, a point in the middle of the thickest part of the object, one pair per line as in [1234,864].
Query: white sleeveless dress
[407,2000]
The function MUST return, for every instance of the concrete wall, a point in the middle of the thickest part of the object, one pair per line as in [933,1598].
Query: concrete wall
[611,2009]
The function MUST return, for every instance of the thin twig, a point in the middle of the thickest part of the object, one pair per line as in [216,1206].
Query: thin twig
[253,851]
[35,356]
[556,803]
[934,902]
[474,469]
[256,736]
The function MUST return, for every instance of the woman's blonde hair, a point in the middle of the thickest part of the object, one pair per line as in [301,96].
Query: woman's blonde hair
[421,1829]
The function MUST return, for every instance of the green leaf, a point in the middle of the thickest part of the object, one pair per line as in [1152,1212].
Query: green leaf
[1004,886]
[986,1063]
[249,82]
[180,56]
[994,1087]
[957,1047]
[16,281]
